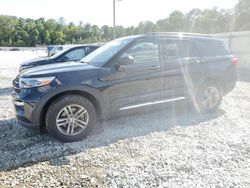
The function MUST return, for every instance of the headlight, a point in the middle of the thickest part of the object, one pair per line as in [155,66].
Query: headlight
[34,82]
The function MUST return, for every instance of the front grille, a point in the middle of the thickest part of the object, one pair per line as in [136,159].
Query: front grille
[16,85]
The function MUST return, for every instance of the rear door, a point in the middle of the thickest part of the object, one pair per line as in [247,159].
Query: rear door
[178,59]
[215,61]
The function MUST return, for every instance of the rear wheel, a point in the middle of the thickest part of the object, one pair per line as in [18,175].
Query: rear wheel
[70,118]
[209,97]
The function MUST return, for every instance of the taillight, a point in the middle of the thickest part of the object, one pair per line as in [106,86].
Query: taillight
[234,60]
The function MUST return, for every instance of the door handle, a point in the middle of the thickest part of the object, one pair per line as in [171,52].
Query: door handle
[154,67]
[201,61]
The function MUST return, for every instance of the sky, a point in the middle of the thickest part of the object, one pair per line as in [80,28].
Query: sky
[99,12]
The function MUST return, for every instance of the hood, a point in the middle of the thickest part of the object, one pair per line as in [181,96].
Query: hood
[53,69]
[35,62]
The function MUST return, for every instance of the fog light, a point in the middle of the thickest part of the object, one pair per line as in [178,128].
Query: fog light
[19,103]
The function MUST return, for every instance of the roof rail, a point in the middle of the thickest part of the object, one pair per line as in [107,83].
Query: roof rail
[177,34]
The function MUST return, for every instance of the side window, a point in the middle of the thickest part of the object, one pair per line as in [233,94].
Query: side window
[60,48]
[87,50]
[213,48]
[91,49]
[173,49]
[76,54]
[145,51]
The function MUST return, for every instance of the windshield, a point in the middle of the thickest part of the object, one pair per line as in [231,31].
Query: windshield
[57,54]
[101,56]
[57,51]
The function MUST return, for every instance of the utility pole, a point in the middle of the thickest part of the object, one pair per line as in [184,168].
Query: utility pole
[114,15]
[114,30]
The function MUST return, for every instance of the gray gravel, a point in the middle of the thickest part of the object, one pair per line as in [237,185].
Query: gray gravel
[160,148]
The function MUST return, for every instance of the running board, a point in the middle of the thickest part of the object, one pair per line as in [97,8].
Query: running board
[152,103]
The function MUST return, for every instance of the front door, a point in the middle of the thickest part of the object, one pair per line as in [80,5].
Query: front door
[139,82]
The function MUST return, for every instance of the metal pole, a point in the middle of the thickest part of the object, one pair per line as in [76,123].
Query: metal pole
[114,30]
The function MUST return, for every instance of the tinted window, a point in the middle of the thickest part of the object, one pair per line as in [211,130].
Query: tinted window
[188,50]
[93,48]
[59,48]
[90,49]
[76,54]
[213,48]
[146,51]
[172,49]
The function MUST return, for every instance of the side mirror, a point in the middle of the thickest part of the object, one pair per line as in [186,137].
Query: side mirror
[51,54]
[127,60]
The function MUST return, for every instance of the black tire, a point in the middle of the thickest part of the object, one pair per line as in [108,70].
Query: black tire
[199,104]
[57,106]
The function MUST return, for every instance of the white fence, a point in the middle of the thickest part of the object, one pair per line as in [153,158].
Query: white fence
[239,44]
[23,48]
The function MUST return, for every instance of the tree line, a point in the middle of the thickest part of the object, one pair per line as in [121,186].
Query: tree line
[16,31]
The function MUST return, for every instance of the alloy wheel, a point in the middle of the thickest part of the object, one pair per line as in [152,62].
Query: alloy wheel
[210,97]
[72,120]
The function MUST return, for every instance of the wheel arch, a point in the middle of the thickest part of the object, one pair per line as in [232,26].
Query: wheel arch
[214,79]
[91,94]
[198,82]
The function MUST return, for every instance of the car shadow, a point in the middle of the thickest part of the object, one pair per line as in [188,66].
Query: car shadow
[21,147]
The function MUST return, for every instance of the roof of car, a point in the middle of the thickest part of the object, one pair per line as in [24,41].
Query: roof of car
[177,34]
[181,35]
[81,45]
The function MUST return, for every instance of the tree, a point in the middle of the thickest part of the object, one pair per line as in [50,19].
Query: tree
[107,32]
[177,21]
[163,25]
[145,27]
[62,21]
[46,37]
[242,15]
[29,32]
[59,37]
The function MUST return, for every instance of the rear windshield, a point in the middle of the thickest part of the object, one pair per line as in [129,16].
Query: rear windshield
[213,48]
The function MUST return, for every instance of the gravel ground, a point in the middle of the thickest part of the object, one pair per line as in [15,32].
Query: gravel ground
[160,148]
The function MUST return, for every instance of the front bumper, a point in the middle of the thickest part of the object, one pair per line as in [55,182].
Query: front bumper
[28,125]
[24,113]
[27,105]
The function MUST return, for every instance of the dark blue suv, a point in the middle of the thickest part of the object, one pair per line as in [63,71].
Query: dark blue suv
[124,74]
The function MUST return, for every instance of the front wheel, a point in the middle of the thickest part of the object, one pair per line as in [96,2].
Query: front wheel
[70,118]
[209,97]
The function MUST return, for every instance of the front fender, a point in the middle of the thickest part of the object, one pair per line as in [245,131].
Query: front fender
[59,91]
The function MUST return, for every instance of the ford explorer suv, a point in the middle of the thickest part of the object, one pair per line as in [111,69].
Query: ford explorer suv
[124,74]
[73,53]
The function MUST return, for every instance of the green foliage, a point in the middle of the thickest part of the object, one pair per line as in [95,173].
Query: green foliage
[28,32]
[242,15]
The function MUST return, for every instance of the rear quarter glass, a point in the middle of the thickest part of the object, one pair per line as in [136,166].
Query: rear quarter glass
[213,48]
